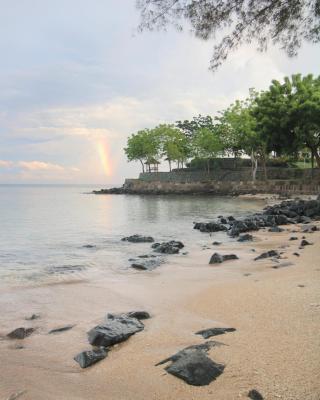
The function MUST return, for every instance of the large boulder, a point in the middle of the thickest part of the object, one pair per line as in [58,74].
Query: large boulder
[194,366]
[210,226]
[138,239]
[116,329]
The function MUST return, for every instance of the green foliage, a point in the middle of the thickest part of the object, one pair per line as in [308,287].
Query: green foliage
[287,22]
[283,120]
[142,146]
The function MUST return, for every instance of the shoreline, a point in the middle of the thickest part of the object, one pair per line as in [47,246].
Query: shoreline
[273,349]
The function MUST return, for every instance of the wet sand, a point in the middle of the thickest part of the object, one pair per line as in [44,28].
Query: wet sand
[275,349]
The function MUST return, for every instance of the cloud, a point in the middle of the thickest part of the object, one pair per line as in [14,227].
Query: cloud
[5,164]
[39,166]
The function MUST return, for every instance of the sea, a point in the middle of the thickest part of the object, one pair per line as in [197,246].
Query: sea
[51,233]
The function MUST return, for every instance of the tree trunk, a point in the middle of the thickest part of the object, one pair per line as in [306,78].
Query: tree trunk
[254,165]
[142,166]
[169,165]
[264,166]
[317,157]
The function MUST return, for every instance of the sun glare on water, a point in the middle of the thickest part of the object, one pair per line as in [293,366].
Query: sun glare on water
[103,152]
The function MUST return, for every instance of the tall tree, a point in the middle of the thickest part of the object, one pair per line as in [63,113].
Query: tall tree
[206,145]
[142,146]
[286,23]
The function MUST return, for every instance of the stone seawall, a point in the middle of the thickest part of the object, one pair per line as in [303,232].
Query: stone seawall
[283,187]
[240,175]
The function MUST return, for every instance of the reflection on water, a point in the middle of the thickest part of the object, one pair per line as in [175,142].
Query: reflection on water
[45,230]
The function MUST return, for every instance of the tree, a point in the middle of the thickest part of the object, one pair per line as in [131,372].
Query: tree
[238,128]
[288,115]
[207,145]
[284,22]
[142,146]
[174,144]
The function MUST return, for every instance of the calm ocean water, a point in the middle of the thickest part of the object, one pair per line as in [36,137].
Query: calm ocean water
[44,229]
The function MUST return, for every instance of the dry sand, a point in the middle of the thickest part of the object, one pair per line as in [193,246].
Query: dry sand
[275,349]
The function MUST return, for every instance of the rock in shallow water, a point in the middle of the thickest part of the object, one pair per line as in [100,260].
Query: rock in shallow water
[194,366]
[207,333]
[138,239]
[20,333]
[172,247]
[116,329]
[87,358]
[131,314]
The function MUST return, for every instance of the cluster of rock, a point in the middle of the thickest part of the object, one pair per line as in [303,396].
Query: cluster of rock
[147,262]
[116,329]
[287,212]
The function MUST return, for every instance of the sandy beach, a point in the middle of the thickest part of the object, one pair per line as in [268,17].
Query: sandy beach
[275,348]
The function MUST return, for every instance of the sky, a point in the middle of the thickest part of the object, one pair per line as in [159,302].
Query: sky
[76,79]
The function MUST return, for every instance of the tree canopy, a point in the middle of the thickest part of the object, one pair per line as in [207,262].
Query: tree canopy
[283,120]
[286,23]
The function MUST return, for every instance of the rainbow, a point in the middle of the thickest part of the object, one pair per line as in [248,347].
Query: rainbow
[103,152]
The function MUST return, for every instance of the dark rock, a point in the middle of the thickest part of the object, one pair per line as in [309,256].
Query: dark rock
[33,317]
[255,395]
[20,333]
[245,238]
[87,358]
[120,190]
[247,274]
[131,314]
[296,254]
[209,227]
[231,218]
[217,258]
[267,254]
[194,366]
[140,267]
[223,220]
[207,333]
[138,239]
[89,246]
[216,243]
[275,229]
[301,286]
[62,329]
[172,247]
[293,238]
[114,330]
[305,243]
